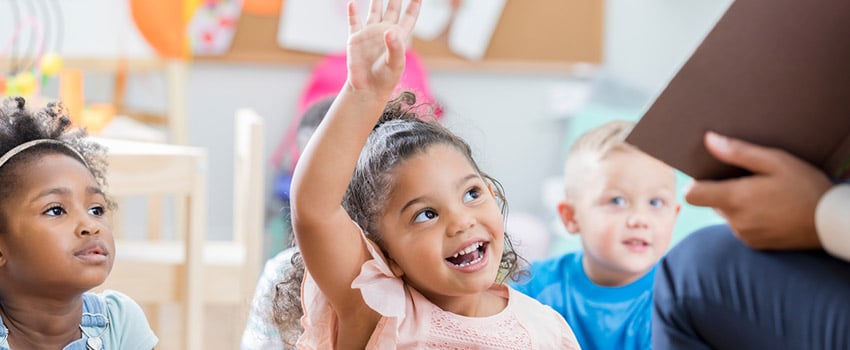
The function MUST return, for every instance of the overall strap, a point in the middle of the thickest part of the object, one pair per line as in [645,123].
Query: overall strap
[94,323]
[4,334]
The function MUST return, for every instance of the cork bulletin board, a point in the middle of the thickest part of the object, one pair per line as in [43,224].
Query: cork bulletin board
[530,35]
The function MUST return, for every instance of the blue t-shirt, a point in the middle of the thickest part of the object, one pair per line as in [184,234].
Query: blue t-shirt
[601,317]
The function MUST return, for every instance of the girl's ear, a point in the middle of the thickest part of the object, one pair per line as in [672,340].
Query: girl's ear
[567,212]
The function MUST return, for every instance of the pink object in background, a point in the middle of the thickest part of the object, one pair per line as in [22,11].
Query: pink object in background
[327,79]
[330,73]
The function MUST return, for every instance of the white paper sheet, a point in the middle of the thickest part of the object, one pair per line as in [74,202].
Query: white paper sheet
[473,27]
[434,16]
[320,26]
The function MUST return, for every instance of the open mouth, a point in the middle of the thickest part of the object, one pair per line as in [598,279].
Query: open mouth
[470,255]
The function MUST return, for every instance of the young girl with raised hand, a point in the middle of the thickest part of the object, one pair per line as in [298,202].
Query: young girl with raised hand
[426,269]
[56,240]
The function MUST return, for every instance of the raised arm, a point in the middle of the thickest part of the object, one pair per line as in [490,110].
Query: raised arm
[329,241]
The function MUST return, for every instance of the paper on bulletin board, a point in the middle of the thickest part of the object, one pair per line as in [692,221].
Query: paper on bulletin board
[434,17]
[213,25]
[473,27]
[321,26]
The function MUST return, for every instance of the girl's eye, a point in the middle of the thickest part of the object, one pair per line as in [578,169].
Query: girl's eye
[618,201]
[54,211]
[97,211]
[471,195]
[425,215]
[656,202]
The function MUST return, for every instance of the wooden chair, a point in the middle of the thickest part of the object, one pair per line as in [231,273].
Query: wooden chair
[156,271]
[233,282]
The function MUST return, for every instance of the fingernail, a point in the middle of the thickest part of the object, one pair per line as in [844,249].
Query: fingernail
[717,141]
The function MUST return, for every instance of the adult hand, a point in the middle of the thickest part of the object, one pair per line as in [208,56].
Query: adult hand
[772,209]
[376,48]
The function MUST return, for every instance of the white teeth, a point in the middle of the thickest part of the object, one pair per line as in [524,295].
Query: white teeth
[469,249]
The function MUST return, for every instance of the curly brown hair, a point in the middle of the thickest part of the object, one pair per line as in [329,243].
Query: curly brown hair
[398,135]
[19,125]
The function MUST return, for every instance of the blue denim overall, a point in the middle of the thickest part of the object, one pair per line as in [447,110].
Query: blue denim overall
[93,324]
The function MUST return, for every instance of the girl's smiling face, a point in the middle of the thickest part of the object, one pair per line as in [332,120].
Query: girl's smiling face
[442,227]
[57,235]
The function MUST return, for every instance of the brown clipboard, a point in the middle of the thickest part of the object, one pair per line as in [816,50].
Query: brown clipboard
[772,72]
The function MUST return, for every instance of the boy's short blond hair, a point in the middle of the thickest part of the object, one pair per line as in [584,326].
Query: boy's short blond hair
[592,146]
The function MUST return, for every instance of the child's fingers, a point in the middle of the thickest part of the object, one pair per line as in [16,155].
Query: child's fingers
[755,158]
[408,21]
[393,11]
[395,50]
[376,7]
[354,24]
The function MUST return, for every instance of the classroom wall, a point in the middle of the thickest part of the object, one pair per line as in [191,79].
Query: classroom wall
[512,119]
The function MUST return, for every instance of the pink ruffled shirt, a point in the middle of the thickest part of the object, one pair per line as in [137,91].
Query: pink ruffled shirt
[410,321]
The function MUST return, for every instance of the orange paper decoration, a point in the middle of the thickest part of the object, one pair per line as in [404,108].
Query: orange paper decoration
[163,25]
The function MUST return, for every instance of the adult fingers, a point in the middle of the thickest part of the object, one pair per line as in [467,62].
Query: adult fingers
[755,158]
[393,11]
[376,8]
[408,21]
[716,194]
[354,24]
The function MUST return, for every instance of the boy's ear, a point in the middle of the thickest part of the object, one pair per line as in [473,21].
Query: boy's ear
[567,212]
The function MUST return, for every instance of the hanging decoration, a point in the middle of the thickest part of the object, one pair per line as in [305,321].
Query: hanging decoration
[163,25]
[33,49]
[212,26]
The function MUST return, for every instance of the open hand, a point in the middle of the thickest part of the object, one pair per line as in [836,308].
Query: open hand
[772,209]
[376,48]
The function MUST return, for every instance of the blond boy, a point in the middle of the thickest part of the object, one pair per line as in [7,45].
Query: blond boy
[622,203]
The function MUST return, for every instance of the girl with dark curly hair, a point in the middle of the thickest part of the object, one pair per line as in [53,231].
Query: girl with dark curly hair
[56,239]
[401,233]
